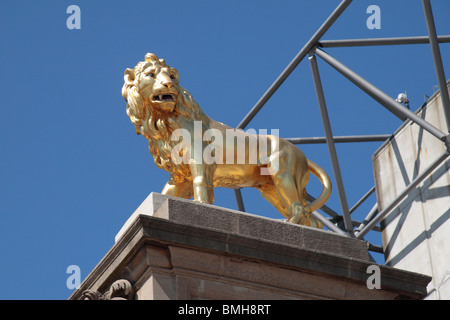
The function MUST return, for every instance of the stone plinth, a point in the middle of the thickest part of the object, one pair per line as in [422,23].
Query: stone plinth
[172,248]
[416,234]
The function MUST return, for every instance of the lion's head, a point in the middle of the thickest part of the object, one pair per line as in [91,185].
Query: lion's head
[155,104]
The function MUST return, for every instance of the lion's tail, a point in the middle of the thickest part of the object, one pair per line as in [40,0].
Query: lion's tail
[323,177]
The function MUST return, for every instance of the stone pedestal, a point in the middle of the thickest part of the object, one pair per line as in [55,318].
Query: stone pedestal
[416,234]
[172,248]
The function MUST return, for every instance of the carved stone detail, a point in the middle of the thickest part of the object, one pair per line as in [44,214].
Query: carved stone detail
[119,290]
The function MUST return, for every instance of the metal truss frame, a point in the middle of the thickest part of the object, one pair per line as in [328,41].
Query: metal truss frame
[342,223]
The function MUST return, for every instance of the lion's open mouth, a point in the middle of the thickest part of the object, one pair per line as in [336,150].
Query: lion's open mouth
[164,97]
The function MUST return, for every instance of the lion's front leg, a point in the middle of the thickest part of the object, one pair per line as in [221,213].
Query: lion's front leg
[181,190]
[202,182]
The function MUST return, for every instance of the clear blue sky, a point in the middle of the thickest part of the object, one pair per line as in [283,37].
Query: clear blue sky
[72,168]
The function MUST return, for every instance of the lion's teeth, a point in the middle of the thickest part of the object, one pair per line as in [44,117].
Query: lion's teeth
[160,97]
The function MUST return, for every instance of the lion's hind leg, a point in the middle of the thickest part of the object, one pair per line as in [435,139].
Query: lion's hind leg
[270,193]
[310,219]
[290,182]
[290,196]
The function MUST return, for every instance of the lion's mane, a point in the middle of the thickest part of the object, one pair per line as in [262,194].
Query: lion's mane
[155,125]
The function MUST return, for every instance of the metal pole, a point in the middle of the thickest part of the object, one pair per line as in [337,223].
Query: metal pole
[239,201]
[336,217]
[385,100]
[378,41]
[294,63]
[360,201]
[375,248]
[340,139]
[330,144]
[328,224]
[437,60]
[404,193]
[369,217]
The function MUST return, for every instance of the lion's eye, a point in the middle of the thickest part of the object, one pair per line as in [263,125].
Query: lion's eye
[172,76]
[151,75]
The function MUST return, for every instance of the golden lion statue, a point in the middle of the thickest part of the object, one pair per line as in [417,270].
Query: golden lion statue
[161,109]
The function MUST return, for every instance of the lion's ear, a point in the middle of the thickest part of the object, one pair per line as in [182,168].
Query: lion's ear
[129,76]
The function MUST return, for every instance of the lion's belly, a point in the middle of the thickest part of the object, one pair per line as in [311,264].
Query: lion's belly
[239,176]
